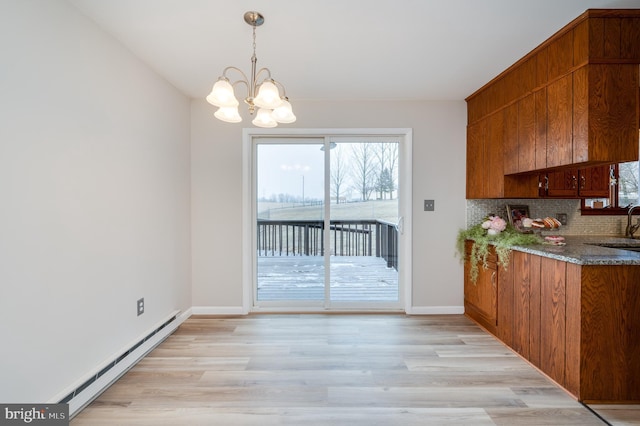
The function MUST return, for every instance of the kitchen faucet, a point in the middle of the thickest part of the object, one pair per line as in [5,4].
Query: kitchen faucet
[631,228]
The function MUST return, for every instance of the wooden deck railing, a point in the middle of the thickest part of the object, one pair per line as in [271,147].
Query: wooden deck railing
[347,238]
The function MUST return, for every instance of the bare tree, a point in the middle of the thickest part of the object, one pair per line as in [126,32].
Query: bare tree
[387,156]
[628,182]
[392,166]
[338,172]
[380,151]
[363,169]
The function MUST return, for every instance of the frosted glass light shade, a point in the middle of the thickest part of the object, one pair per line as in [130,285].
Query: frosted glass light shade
[264,119]
[284,113]
[268,96]
[228,114]
[222,95]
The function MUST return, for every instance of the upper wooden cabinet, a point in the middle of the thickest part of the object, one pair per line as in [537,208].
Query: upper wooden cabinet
[572,101]
[592,182]
[485,161]
[485,172]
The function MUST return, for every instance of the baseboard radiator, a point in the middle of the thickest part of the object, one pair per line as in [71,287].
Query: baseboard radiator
[90,389]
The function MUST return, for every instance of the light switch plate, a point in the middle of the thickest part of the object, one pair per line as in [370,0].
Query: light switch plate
[429,205]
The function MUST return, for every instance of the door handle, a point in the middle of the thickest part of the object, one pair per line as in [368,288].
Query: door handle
[400,225]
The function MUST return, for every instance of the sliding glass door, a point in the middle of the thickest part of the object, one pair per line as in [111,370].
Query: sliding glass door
[326,222]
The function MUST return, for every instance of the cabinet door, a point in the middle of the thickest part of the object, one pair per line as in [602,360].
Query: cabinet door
[540,98]
[553,318]
[475,159]
[485,158]
[580,115]
[574,319]
[563,183]
[505,305]
[559,122]
[613,112]
[526,306]
[594,182]
[527,134]
[482,294]
[534,308]
[494,156]
[511,141]
[521,305]
[485,294]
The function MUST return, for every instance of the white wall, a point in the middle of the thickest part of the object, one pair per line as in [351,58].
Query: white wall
[94,199]
[439,141]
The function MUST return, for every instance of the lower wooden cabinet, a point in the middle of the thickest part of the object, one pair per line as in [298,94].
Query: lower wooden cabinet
[525,320]
[553,331]
[481,297]
[579,324]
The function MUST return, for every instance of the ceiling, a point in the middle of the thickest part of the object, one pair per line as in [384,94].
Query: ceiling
[339,49]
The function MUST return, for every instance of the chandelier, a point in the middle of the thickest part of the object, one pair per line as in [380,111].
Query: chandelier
[263,94]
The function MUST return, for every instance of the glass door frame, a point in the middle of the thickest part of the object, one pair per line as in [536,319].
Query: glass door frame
[251,136]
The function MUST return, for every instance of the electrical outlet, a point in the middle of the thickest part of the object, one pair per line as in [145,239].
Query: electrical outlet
[429,205]
[562,218]
[140,306]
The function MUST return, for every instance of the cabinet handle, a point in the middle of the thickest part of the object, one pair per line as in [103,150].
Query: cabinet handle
[574,182]
[493,278]
[583,181]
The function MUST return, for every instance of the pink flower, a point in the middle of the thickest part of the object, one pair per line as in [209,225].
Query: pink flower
[494,225]
[497,223]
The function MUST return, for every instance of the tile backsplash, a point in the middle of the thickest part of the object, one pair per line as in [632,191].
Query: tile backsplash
[540,208]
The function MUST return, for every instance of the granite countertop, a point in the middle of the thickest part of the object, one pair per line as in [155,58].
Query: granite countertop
[588,250]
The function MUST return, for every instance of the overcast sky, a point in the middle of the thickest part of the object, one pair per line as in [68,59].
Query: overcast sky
[281,169]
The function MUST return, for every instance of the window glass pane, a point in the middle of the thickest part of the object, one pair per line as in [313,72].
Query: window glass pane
[628,183]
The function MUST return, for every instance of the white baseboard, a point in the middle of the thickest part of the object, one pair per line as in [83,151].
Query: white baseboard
[91,392]
[436,310]
[218,310]
[238,310]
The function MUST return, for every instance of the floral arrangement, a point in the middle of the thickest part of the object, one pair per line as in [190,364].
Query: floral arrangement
[494,225]
[492,231]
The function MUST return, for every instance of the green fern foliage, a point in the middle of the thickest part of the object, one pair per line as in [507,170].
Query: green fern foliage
[503,242]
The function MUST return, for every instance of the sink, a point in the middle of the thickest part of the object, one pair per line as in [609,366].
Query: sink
[619,243]
[636,249]
[621,247]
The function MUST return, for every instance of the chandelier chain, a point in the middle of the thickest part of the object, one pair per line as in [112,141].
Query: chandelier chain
[254,40]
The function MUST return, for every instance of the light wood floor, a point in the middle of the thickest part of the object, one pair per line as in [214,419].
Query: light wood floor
[333,370]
